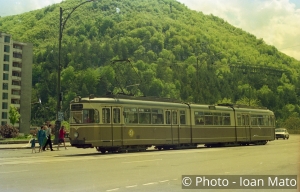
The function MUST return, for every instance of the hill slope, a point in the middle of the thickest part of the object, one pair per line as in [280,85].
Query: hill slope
[174,52]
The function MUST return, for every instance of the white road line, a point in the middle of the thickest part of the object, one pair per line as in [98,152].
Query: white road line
[113,189]
[131,186]
[150,183]
[163,181]
[14,171]
[143,161]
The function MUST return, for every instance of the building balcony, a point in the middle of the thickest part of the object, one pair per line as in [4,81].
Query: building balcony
[16,78]
[15,96]
[18,69]
[16,105]
[15,50]
[16,87]
[17,59]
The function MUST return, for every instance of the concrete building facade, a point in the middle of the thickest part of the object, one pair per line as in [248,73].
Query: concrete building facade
[16,60]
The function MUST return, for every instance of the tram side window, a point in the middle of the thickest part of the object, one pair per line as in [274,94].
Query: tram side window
[266,120]
[157,116]
[76,117]
[144,116]
[239,119]
[130,115]
[174,118]
[253,119]
[106,115]
[90,116]
[226,118]
[199,118]
[168,117]
[182,118]
[116,115]
[208,117]
[260,120]
[217,119]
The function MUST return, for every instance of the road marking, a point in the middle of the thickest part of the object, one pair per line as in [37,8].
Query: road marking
[163,181]
[150,183]
[14,171]
[131,186]
[42,158]
[113,189]
[143,161]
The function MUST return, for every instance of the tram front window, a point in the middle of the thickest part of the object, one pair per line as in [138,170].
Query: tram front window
[76,117]
[85,116]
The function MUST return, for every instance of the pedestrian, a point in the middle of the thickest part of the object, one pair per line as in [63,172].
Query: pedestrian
[61,137]
[48,135]
[47,124]
[32,141]
[41,138]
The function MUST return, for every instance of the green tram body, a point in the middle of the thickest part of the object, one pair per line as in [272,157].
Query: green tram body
[116,124]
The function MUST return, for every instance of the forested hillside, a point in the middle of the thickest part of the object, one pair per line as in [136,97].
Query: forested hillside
[173,52]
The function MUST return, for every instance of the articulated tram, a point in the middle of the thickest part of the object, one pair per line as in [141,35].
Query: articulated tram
[122,123]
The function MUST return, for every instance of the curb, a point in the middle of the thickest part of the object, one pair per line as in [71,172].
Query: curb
[2,147]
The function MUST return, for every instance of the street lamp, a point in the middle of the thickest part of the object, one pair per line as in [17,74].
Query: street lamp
[59,114]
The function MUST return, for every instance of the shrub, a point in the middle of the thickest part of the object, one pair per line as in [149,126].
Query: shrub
[8,131]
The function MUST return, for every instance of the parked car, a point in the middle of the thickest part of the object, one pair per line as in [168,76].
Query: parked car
[282,133]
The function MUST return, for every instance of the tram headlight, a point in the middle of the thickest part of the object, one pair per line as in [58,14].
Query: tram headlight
[76,134]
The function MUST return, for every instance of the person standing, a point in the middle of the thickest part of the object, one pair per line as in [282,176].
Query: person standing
[41,138]
[48,135]
[61,137]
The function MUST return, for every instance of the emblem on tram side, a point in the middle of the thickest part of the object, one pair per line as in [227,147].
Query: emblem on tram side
[130,133]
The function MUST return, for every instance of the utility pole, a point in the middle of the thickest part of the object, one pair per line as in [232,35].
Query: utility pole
[59,114]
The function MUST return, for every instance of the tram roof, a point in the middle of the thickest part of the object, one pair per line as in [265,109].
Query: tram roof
[133,102]
[168,102]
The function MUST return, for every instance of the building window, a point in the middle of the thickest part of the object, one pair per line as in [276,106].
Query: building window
[4,115]
[5,76]
[15,101]
[6,48]
[7,39]
[17,46]
[16,83]
[17,55]
[16,64]
[5,86]
[6,58]
[15,92]
[4,105]
[4,95]
[5,67]
[16,74]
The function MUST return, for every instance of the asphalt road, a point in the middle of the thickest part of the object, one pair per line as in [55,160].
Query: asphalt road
[87,170]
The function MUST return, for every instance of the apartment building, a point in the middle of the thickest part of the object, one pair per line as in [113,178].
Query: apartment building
[16,78]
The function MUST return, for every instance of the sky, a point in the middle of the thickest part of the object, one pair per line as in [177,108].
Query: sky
[276,21]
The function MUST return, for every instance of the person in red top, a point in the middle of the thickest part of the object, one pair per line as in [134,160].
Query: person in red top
[61,137]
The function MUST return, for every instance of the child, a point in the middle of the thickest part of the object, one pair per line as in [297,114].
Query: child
[32,141]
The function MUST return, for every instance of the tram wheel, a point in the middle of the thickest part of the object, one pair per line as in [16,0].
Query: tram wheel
[102,151]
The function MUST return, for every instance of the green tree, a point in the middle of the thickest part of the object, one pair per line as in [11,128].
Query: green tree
[14,115]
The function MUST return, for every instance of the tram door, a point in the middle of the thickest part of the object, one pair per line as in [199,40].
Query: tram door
[116,126]
[111,134]
[172,121]
[247,126]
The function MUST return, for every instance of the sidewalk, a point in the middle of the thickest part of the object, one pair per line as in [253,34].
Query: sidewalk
[24,146]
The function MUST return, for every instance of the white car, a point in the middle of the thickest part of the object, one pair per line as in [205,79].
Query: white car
[282,133]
